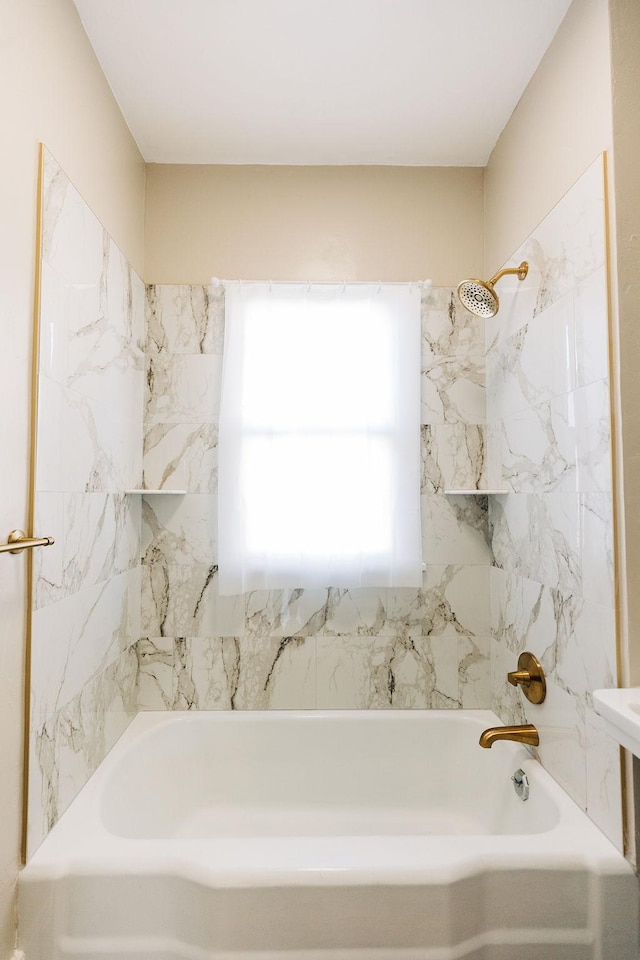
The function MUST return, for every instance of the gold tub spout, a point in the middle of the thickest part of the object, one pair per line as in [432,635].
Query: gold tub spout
[525,733]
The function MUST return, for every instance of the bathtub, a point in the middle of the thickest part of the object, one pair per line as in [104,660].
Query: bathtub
[324,836]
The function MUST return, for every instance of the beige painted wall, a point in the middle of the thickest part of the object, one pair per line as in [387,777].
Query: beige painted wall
[625,44]
[51,89]
[321,223]
[561,124]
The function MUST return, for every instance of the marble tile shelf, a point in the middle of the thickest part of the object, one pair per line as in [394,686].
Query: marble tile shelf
[157,493]
[475,493]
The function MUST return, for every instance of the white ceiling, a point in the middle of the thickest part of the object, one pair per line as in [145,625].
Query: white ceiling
[428,82]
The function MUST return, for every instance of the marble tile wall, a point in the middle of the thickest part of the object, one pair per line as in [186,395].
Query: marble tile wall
[519,403]
[86,588]
[309,648]
[549,445]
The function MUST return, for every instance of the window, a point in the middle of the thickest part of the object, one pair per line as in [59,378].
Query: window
[319,460]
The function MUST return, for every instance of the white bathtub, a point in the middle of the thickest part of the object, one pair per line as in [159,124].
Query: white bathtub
[324,836]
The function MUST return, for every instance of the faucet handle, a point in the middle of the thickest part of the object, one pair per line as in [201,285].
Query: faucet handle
[522,677]
[529,676]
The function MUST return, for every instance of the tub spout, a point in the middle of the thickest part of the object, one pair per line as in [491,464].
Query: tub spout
[525,733]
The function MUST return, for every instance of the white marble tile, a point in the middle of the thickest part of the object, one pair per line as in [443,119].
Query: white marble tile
[232,673]
[134,605]
[183,600]
[493,477]
[448,330]
[156,673]
[200,681]
[533,457]
[506,700]
[356,612]
[41,809]
[454,529]
[183,388]
[85,444]
[87,587]
[604,783]
[67,749]
[89,336]
[596,524]
[453,390]
[506,391]
[454,600]
[453,457]
[96,535]
[560,350]
[518,298]
[185,319]
[562,544]
[76,639]
[72,237]
[180,529]
[536,364]
[101,348]
[55,293]
[523,617]
[554,556]
[387,672]
[581,429]
[287,613]
[138,307]
[585,650]
[181,456]
[591,328]
[474,672]
[560,721]
[431,476]
[49,441]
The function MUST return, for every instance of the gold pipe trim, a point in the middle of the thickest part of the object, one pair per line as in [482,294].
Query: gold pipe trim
[521,272]
[626,786]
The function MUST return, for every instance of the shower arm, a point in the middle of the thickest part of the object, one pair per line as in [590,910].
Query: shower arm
[521,271]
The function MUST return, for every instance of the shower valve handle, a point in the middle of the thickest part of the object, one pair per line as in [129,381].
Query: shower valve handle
[530,677]
[522,677]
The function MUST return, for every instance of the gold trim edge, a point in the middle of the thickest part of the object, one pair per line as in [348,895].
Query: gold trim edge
[35,362]
[614,384]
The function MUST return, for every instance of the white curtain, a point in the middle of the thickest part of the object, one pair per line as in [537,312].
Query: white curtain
[319,445]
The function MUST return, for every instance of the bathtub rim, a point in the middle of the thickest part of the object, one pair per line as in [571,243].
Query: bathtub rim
[79,844]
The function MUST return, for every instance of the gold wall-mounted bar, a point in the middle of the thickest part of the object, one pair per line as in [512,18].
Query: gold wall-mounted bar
[17,541]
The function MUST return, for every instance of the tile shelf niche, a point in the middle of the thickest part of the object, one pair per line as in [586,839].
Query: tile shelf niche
[157,493]
[474,493]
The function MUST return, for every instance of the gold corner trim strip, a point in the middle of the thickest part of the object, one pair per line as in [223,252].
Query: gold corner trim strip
[615,479]
[35,363]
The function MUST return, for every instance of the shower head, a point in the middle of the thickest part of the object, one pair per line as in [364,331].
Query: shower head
[479,296]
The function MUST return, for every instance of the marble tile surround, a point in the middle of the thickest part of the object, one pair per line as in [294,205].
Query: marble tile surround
[327,648]
[520,402]
[549,443]
[86,587]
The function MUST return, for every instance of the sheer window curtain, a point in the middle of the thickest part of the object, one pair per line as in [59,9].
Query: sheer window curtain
[319,444]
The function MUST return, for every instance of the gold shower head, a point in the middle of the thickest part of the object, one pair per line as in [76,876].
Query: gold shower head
[480,298]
